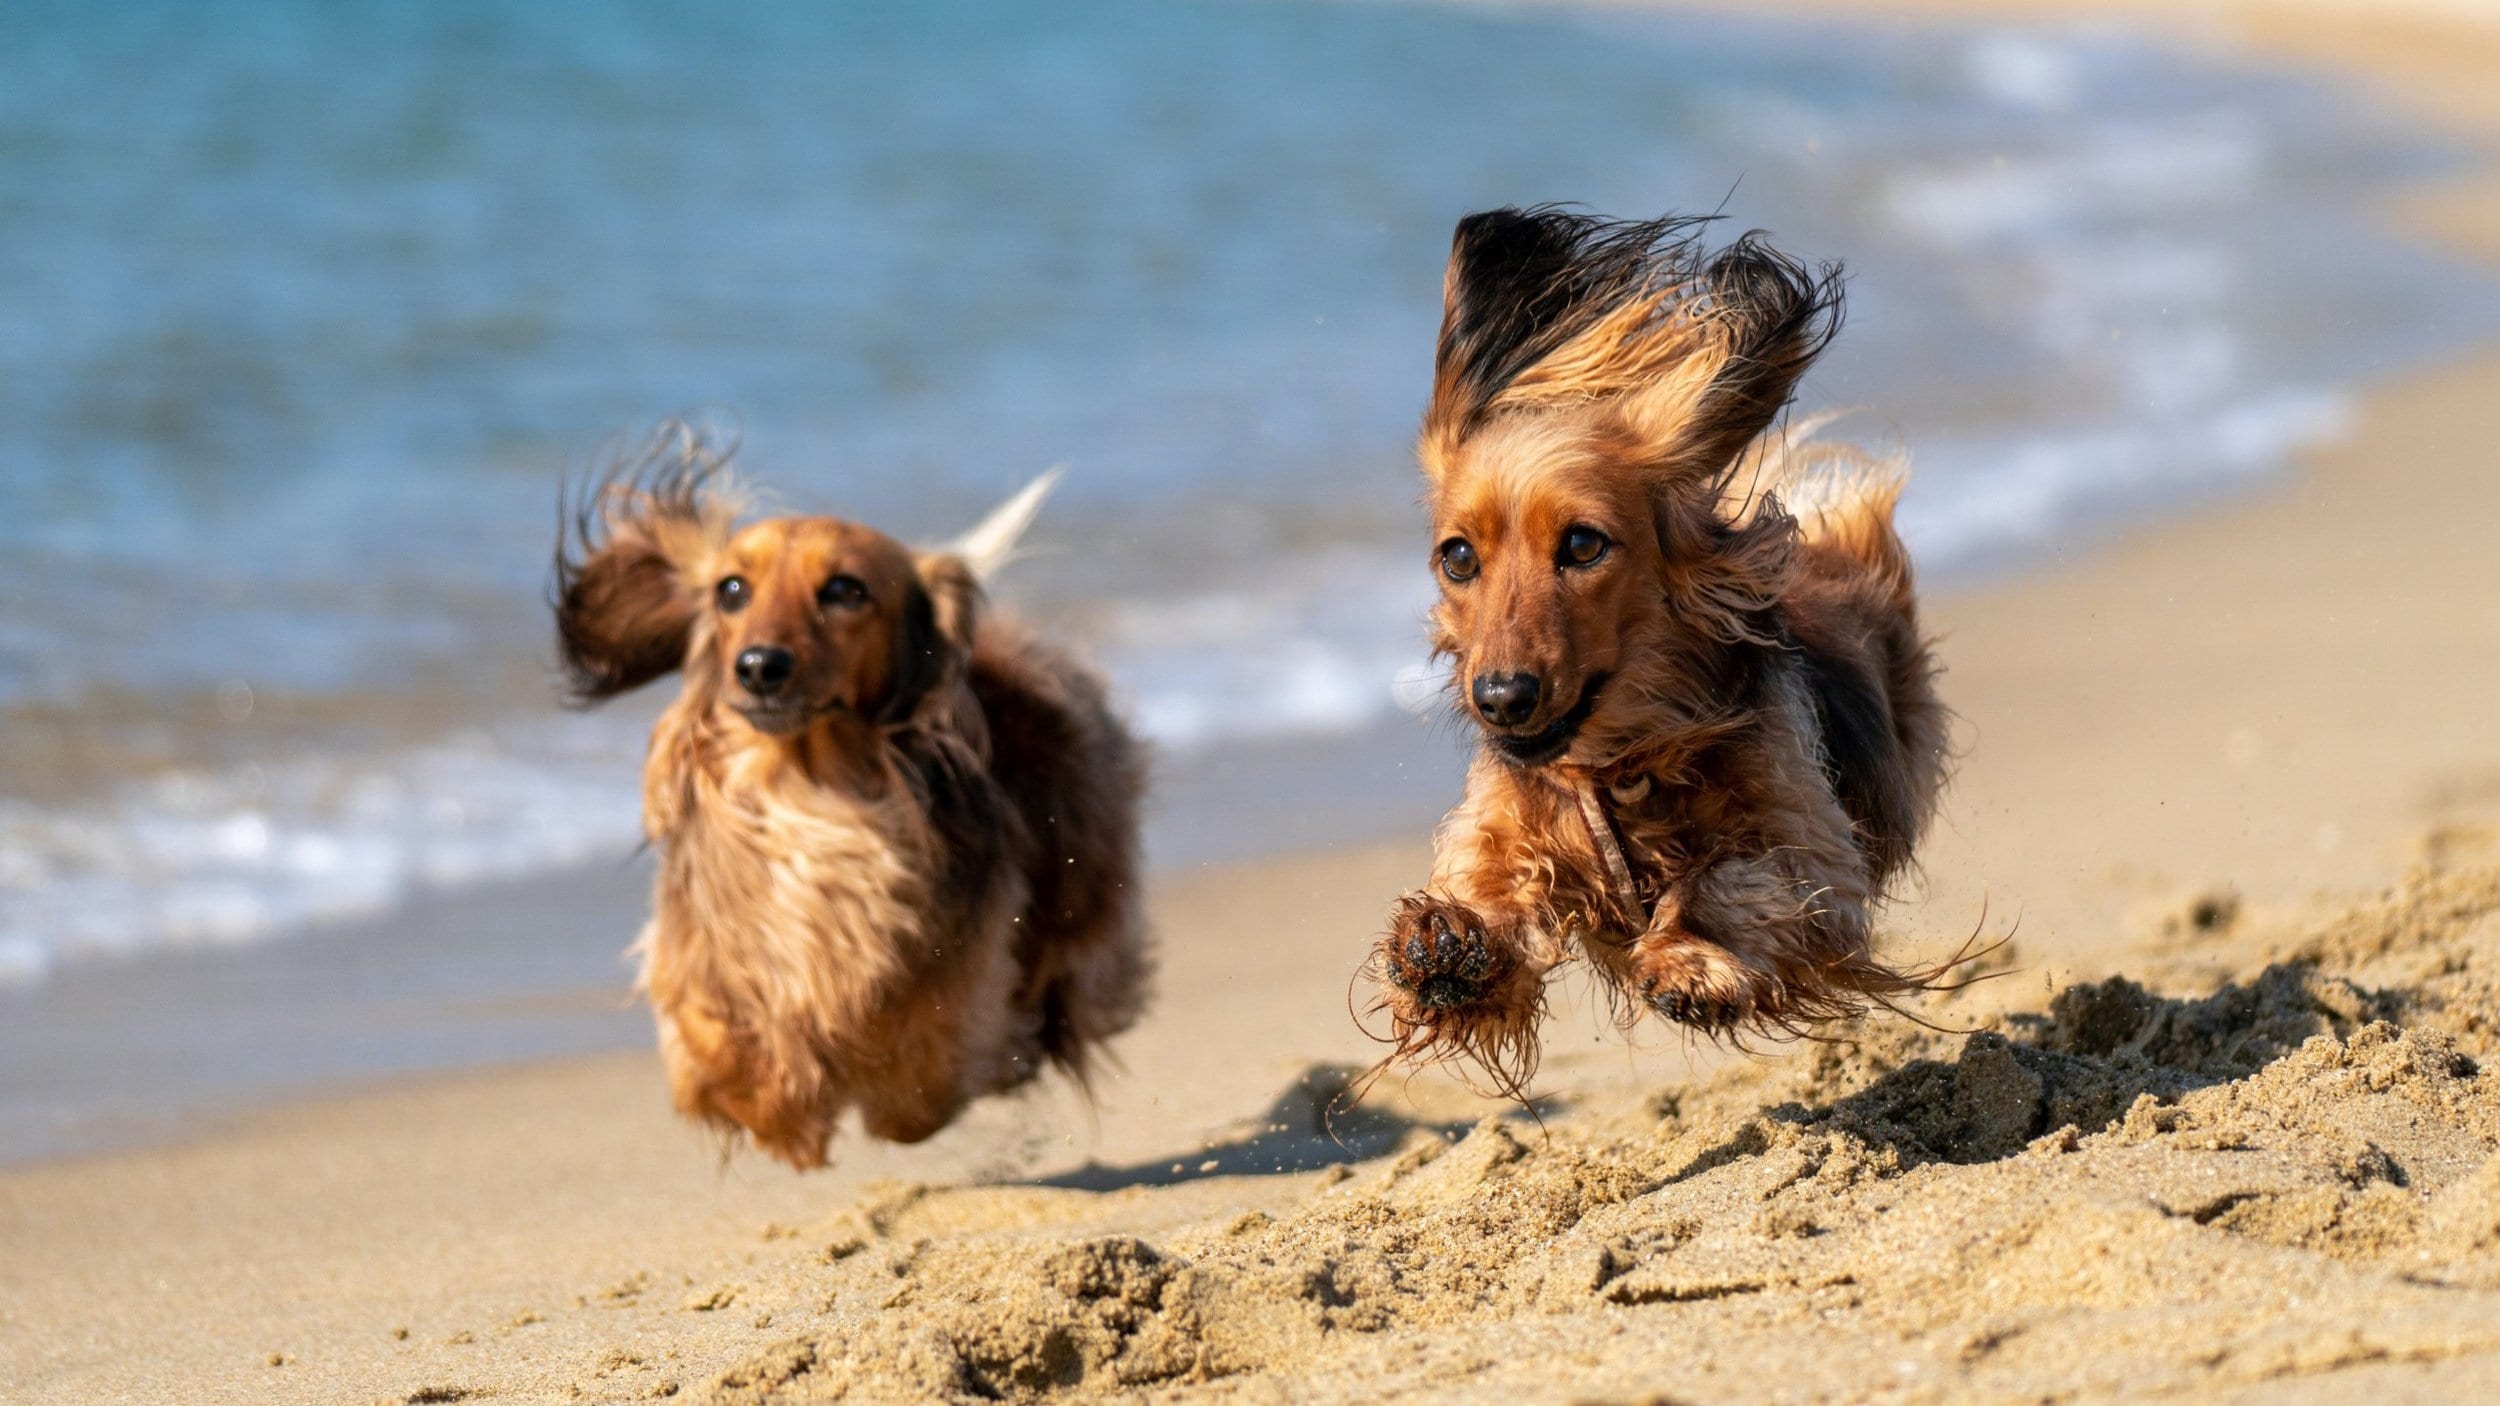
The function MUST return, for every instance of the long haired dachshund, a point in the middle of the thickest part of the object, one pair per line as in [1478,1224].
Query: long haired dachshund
[1707,721]
[897,835]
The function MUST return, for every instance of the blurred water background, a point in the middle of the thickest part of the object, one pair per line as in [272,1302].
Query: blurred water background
[309,302]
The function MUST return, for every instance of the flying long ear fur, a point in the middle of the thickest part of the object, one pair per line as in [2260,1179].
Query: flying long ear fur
[1692,352]
[629,553]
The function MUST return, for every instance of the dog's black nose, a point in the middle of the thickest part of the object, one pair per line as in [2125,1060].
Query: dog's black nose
[765,668]
[1505,700]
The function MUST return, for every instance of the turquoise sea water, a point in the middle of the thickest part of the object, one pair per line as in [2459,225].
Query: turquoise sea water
[308,305]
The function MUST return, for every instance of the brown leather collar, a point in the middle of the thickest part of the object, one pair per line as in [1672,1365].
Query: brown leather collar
[1609,847]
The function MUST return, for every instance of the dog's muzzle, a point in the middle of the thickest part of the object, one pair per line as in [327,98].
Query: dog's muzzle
[1551,741]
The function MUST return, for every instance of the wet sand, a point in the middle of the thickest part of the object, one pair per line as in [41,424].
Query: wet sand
[2245,764]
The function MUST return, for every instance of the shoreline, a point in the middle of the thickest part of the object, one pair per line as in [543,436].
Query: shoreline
[254,799]
[504,973]
[2252,700]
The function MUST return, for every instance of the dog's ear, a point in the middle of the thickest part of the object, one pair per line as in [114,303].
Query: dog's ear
[1547,307]
[1758,319]
[1513,280]
[1550,309]
[935,641]
[627,588]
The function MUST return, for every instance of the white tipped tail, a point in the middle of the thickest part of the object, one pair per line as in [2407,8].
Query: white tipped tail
[992,544]
[1815,479]
[1841,496]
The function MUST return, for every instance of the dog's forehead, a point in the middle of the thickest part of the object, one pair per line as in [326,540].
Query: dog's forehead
[819,544]
[1531,475]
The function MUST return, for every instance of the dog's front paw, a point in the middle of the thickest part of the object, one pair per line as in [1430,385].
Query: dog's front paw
[1456,987]
[1436,952]
[1696,982]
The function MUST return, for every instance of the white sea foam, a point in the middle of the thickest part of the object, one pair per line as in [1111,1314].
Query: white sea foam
[2025,70]
[2047,486]
[197,859]
[1313,651]
[2115,167]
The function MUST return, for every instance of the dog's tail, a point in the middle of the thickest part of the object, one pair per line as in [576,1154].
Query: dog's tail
[989,546]
[1842,499]
[1842,496]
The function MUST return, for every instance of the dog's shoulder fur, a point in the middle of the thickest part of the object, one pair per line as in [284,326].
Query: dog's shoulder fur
[1073,776]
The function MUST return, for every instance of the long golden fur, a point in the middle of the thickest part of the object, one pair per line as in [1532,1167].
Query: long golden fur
[897,835]
[1708,729]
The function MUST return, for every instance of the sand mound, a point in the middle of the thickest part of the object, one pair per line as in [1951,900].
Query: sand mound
[2125,1193]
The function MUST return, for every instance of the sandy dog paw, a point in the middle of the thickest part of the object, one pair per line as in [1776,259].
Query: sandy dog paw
[1695,982]
[1437,953]
[1456,987]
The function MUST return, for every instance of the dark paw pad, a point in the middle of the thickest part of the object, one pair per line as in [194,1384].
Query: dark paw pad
[1693,1008]
[1439,953]
[1692,984]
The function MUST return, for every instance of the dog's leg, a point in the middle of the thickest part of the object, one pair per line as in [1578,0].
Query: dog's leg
[726,1079]
[912,1106]
[1765,942]
[1776,932]
[943,1043]
[1444,954]
[1466,978]
[1463,964]
[1710,956]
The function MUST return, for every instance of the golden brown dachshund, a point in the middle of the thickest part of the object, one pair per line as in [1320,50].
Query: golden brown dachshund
[1687,640]
[897,834]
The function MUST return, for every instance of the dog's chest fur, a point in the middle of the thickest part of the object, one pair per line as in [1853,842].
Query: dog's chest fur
[778,891]
[1674,809]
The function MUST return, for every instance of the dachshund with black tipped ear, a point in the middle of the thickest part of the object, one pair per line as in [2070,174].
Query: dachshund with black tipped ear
[1707,724]
[897,835]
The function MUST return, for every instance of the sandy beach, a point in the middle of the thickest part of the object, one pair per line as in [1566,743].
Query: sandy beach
[2226,1127]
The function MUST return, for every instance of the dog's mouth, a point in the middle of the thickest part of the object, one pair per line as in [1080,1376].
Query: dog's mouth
[779,719]
[1549,742]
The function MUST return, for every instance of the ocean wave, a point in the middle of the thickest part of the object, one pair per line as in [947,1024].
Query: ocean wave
[2044,489]
[210,858]
[1310,653]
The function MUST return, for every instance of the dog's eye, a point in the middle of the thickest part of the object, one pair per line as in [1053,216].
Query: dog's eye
[1583,546]
[843,592]
[732,593]
[1458,560]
